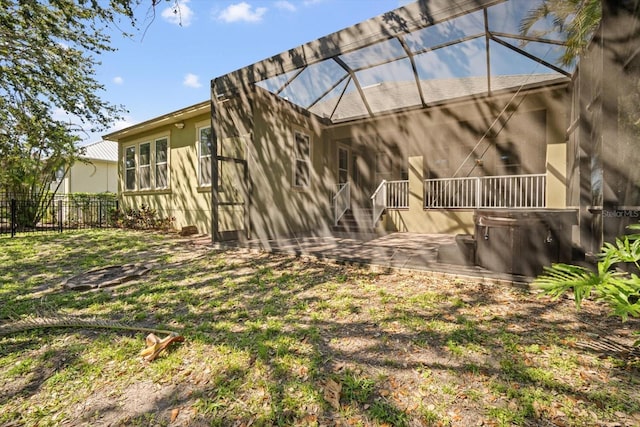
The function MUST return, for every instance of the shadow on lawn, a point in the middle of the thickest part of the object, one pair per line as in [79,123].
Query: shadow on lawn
[257,296]
[296,323]
[46,364]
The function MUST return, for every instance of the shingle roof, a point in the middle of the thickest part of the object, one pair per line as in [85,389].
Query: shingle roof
[395,95]
[374,67]
[102,150]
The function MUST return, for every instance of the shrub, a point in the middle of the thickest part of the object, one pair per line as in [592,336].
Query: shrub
[614,280]
[144,218]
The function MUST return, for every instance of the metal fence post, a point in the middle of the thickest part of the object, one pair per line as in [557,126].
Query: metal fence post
[60,215]
[14,204]
[100,213]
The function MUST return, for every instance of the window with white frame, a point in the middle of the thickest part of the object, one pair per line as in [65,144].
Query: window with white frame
[204,155]
[384,167]
[146,165]
[162,163]
[343,165]
[130,168]
[302,160]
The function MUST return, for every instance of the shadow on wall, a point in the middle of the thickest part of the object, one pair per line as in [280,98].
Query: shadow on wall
[506,133]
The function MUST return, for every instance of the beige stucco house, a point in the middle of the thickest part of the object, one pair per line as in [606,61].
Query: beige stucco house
[414,120]
[165,163]
[436,117]
[397,117]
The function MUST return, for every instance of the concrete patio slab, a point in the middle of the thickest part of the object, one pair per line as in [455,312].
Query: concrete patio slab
[395,251]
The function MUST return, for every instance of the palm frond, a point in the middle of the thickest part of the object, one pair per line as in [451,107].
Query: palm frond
[34,323]
[622,293]
[559,279]
[578,19]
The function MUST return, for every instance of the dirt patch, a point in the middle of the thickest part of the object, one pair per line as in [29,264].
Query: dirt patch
[106,408]
[105,277]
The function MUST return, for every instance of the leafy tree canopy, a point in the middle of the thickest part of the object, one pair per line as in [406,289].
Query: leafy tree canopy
[48,55]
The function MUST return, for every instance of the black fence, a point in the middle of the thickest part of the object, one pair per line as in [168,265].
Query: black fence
[58,214]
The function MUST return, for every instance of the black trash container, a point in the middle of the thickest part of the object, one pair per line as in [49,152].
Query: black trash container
[522,242]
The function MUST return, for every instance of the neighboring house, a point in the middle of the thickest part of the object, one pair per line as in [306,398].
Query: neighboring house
[95,172]
[419,120]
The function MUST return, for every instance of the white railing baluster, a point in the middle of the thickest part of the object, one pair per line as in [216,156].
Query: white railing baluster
[398,194]
[506,191]
[379,202]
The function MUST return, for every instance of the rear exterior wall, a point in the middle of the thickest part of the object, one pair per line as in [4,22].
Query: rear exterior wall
[184,199]
[460,140]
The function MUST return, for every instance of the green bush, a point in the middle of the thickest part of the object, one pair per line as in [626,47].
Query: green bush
[89,208]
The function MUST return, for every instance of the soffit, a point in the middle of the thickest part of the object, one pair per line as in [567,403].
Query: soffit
[157,122]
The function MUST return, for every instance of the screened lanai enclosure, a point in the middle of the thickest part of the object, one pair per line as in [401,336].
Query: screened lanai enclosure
[424,58]
[447,116]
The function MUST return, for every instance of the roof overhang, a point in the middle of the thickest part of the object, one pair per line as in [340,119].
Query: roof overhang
[157,122]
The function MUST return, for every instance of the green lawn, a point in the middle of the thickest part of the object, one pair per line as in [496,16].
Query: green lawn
[283,340]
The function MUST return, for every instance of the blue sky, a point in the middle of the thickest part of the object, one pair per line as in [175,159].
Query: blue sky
[168,64]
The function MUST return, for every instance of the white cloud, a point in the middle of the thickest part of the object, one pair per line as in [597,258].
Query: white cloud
[311,2]
[191,80]
[285,5]
[242,12]
[118,80]
[179,13]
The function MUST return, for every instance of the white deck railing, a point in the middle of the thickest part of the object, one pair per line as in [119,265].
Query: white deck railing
[379,201]
[398,194]
[341,202]
[507,191]
[389,195]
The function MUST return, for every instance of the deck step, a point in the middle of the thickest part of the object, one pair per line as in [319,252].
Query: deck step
[355,222]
